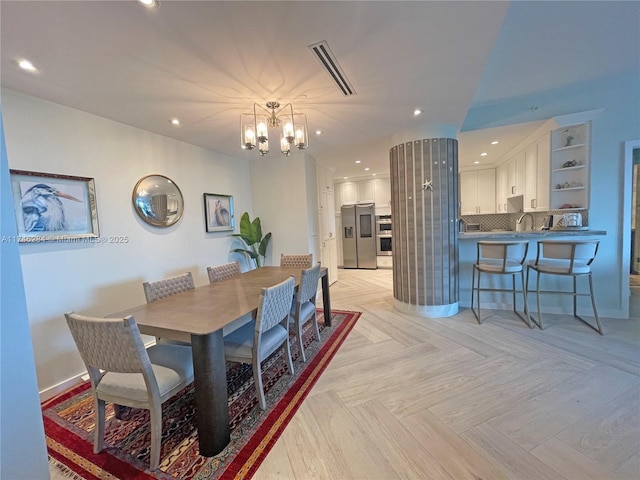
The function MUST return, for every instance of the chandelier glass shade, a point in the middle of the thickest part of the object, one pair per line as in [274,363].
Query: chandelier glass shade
[254,128]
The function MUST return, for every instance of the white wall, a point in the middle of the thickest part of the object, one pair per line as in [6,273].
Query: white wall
[285,198]
[98,279]
[23,452]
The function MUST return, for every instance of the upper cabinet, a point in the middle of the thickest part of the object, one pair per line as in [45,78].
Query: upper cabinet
[376,191]
[570,164]
[477,191]
[536,190]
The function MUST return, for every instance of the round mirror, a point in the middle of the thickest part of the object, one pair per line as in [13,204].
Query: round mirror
[158,200]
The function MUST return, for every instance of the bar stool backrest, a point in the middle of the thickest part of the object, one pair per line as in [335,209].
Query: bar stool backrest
[577,255]
[506,254]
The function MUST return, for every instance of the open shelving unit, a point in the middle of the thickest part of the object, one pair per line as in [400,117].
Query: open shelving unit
[570,167]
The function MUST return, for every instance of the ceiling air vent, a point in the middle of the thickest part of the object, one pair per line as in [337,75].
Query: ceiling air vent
[324,54]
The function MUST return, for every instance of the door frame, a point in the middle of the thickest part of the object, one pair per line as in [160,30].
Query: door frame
[627,174]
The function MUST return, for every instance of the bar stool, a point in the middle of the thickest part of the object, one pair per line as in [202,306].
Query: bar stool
[501,258]
[569,259]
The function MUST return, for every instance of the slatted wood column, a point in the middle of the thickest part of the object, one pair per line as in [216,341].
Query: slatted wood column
[424,202]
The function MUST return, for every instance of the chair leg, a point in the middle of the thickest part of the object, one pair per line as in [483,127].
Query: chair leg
[513,291]
[599,329]
[524,299]
[98,442]
[315,324]
[475,290]
[593,304]
[287,348]
[300,344]
[575,296]
[538,322]
[257,380]
[155,420]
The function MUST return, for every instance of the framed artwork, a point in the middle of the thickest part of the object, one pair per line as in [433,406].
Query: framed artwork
[52,207]
[218,212]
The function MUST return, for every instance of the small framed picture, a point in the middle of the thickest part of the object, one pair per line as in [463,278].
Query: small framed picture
[218,212]
[52,207]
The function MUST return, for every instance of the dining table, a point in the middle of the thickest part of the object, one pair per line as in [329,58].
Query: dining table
[200,315]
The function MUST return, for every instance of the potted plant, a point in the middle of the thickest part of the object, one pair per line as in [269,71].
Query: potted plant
[251,235]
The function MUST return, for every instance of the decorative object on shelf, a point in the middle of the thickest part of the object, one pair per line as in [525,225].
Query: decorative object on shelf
[251,235]
[158,200]
[569,138]
[254,128]
[218,212]
[570,163]
[52,207]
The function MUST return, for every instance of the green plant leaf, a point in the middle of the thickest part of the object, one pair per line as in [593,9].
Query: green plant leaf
[262,249]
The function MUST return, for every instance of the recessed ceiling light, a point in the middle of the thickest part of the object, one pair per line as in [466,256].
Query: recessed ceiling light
[318,132]
[495,142]
[26,65]
[417,112]
[150,3]
[374,174]
[367,169]
[358,161]
[476,162]
[483,154]
[345,177]
[174,121]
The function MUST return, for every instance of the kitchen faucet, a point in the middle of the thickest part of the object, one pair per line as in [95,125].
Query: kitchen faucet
[519,221]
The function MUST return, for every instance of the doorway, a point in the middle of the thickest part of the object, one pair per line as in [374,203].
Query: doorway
[632,162]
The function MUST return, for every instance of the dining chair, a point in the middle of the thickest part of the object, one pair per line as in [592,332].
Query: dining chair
[303,308]
[296,260]
[221,272]
[123,372]
[500,258]
[570,259]
[169,286]
[255,341]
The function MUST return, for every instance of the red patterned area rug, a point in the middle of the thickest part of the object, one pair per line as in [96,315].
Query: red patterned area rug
[69,420]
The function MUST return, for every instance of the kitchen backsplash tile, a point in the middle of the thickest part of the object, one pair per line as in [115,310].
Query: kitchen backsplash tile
[507,221]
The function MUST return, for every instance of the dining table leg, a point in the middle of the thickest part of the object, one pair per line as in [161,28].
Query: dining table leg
[326,300]
[210,380]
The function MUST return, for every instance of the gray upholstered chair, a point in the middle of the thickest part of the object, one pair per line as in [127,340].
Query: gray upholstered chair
[224,271]
[169,286]
[304,304]
[295,260]
[500,258]
[570,259]
[255,341]
[122,371]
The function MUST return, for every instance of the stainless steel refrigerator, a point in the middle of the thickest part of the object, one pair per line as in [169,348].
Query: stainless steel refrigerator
[359,236]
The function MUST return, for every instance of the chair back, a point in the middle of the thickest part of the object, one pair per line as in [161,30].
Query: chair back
[169,286]
[294,260]
[224,271]
[308,284]
[502,254]
[274,305]
[577,255]
[109,344]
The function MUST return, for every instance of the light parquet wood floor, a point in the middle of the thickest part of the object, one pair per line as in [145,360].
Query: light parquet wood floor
[413,398]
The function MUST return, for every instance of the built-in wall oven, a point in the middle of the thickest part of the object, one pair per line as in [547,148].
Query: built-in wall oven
[384,238]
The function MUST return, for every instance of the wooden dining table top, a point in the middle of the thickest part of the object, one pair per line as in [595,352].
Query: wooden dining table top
[208,308]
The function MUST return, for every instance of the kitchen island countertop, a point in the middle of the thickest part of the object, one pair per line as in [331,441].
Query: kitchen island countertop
[529,234]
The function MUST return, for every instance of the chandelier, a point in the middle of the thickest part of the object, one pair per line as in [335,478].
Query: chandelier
[254,128]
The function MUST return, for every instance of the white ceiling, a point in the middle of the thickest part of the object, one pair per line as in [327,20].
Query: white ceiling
[207,62]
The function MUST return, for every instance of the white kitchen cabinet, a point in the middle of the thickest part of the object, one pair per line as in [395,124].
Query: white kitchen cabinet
[325,178]
[570,167]
[516,174]
[383,196]
[502,188]
[477,192]
[367,191]
[536,190]
[348,193]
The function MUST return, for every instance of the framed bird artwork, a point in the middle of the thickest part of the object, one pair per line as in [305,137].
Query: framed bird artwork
[52,207]
[218,212]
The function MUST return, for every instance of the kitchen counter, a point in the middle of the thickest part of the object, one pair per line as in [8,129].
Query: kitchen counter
[529,234]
